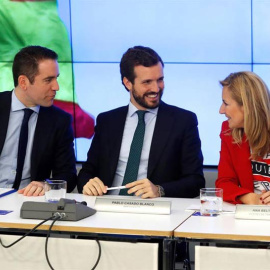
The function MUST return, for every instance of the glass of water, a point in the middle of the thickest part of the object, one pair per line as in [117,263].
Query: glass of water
[211,201]
[55,190]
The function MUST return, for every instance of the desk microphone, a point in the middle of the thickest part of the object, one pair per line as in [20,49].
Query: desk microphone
[70,209]
[83,202]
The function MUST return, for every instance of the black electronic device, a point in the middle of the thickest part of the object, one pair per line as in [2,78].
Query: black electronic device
[68,210]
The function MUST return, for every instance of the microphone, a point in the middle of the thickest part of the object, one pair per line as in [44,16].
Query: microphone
[83,202]
[69,209]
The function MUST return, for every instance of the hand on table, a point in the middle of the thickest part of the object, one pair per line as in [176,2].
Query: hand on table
[35,188]
[143,188]
[94,187]
[265,197]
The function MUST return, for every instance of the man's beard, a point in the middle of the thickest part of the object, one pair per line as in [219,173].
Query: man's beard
[141,101]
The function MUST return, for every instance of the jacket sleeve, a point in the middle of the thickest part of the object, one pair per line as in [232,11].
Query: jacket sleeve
[64,163]
[90,167]
[229,178]
[189,162]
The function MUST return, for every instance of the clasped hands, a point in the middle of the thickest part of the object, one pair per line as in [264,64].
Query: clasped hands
[143,188]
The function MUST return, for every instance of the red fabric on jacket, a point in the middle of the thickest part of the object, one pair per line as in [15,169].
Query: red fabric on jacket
[234,170]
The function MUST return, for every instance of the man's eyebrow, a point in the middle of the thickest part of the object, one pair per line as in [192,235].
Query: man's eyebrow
[50,77]
[147,80]
[150,80]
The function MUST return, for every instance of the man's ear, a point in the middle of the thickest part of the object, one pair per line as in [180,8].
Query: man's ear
[23,82]
[127,83]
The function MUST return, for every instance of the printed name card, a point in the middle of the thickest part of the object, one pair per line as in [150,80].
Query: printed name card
[133,206]
[252,211]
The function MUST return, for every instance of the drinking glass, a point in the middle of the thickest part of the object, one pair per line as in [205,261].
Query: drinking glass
[211,201]
[55,190]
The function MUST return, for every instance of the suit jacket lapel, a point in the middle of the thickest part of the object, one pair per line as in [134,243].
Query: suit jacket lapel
[116,130]
[5,106]
[164,124]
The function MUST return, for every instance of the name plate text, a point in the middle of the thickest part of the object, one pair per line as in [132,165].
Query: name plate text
[133,206]
[244,211]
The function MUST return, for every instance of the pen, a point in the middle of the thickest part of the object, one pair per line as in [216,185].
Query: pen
[112,188]
[8,192]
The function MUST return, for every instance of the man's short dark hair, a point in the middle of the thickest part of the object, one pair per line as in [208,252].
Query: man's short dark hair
[137,56]
[26,62]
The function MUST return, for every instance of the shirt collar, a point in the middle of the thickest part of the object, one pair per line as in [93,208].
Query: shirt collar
[16,105]
[132,110]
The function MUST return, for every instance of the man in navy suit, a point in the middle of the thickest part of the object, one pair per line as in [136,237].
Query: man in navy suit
[171,158]
[49,151]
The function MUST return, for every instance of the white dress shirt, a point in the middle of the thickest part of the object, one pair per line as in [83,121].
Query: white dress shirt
[129,130]
[8,157]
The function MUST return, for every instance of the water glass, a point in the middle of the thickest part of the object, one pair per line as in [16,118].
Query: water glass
[211,201]
[55,190]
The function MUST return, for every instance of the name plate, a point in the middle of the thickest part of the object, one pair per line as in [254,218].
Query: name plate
[133,206]
[244,211]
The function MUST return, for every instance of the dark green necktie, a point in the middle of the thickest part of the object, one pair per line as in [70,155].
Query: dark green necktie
[134,157]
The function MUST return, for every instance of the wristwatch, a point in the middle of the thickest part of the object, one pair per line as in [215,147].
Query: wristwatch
[161,191]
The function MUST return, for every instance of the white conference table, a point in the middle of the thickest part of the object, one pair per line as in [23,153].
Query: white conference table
[149,226]
[238,243]
[101,222]
[224,227]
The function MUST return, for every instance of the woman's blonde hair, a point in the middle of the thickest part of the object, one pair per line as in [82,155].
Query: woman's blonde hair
[249,91]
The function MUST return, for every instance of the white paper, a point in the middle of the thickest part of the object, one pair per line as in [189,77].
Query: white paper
[227,208]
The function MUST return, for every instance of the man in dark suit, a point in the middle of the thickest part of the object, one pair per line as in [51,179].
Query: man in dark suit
[171,158]
[49,151]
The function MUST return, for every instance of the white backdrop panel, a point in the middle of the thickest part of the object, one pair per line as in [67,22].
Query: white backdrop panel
[180,31]
[261,33]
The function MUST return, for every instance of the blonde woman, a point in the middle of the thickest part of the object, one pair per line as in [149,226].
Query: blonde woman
[244,166]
